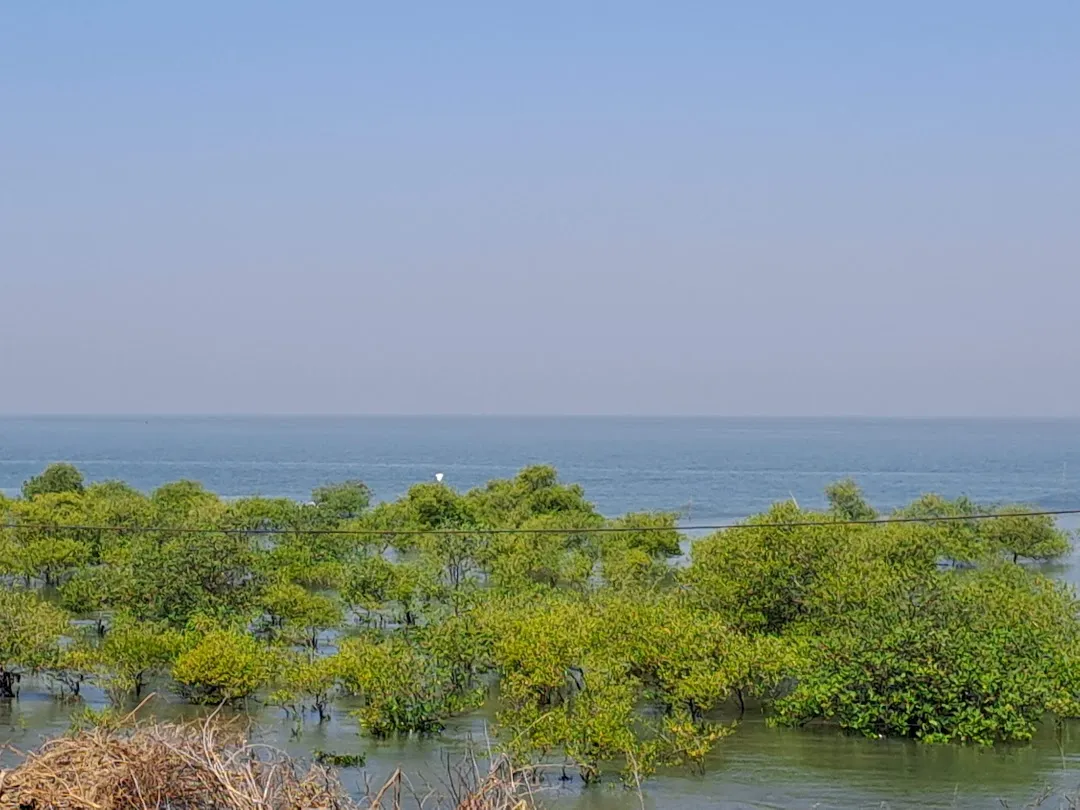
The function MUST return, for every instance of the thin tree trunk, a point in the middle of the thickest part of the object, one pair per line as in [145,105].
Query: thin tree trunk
[8,681]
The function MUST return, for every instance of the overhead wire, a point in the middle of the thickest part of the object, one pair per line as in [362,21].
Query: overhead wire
[541,530]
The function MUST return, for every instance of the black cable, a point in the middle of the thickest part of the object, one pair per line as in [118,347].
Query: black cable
[579,530]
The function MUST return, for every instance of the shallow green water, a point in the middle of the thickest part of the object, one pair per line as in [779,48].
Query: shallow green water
[758,766]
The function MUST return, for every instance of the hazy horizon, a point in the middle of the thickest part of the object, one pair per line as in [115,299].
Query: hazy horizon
[734,417]
[700,209]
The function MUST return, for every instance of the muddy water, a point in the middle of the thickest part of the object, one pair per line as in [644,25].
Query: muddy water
[757,767]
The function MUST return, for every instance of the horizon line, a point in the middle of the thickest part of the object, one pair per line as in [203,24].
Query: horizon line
[525,415]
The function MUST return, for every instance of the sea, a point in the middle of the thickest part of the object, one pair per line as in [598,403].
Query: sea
[712,471]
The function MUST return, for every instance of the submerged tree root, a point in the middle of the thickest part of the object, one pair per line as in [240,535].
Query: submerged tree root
[209,766]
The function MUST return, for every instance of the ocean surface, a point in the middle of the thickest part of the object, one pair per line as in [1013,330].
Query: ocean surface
[712,470]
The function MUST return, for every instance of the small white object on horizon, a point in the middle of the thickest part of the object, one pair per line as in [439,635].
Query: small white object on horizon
[438,477]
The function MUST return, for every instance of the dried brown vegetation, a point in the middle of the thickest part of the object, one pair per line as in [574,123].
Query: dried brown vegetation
[211,766]
[183,767]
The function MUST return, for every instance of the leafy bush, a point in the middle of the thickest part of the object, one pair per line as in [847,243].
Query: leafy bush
[401,688]
[760,577]
[223,665]
[578,675]
[54,479]
[1021,534]
[846,501]
[179,575]
[344,500]
[552,557]
[308,683]
[30,631]
[132,652]
[299,615]
[42,545]
[603,649]
[970,656]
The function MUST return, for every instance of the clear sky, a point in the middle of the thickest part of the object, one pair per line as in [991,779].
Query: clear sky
[557,207]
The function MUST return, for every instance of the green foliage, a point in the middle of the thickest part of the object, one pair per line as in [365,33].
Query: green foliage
[132,652]
[593,726]
[368,583]
[1020,534]
[335,760]
[434,506]
[223,665]
[375,588]
[691,661]
[86,718]
[177,575]
[54,479]
[760,575]
[266,514]
[401,688]
[30,631]
[461,649]
[970,656]
[37,548]
[576,672]
[959,540]
[186,503]
[344,500]
[298,615]
[601,647]
[651,532]
[308,683]
[91,591]
[846,501]
[626,568]
[114,503]
[532,492]
[550,557]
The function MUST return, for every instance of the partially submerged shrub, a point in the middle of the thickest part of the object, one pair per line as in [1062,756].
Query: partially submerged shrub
[338,760]
[30,631]
[223,665]
[606,652]
[402,689]
[132,652]
[972,657]
[295,614]
[308,684]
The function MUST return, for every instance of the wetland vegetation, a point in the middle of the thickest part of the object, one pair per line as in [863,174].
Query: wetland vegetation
[615,646]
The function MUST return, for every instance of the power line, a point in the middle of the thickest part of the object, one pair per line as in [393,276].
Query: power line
[521,530]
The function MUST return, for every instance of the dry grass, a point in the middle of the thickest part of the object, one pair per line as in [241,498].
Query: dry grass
[211,766]
[180,767]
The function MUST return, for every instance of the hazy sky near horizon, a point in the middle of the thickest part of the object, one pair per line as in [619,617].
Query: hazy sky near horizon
[566,207]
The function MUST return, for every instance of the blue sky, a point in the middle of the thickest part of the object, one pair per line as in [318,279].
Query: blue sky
[647,208]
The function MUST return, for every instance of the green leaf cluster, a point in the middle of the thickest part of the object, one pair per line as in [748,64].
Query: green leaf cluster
[626,649]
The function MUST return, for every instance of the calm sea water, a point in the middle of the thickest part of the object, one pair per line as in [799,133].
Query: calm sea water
[716,469]
[722,468]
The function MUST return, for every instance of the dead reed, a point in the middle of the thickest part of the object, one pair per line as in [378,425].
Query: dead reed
[211,766]
[207,766]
